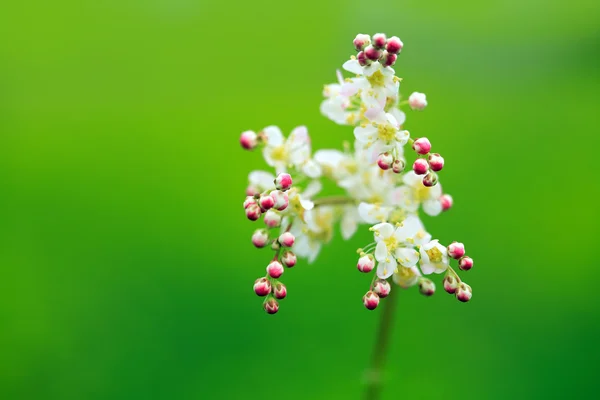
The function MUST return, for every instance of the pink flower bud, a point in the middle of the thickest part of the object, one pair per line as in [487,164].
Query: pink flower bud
[388,59]
[260,238]
[248,140]
[422,145]
[272,219]
[436,162]
[417,101]
[366,263]
[450,283]
[271,306]
[426,287]
[431,179]
[464,292]
[280,291]
[465,263]
[420,166]
[446,201]
[249,201]
[253,212]
[398,166]
[371,300]
[286,239]
[379,40]
[382,288]
[289,259]
[281,200]
[456,250]
[362,59]
[275,269]
[394,45]
[252,191]
[262,287]
[372,53]
[283,181]
[266,202]
[385,161]
[361,41]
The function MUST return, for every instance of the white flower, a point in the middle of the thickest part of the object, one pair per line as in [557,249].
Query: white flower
[373,213]
[378,81]
[414,193]
[294,151]
[407,277]
[261,180]
[434,258]
[335,106]
[300,201]
[350,221]
[383,134]
[316,230]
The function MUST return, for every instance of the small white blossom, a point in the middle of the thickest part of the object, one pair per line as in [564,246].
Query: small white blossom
[434,258]
[414,194]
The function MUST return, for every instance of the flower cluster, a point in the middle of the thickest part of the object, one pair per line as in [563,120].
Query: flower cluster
[375,187]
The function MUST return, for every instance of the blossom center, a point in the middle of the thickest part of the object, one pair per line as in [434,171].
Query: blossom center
[376,79]
[435,255]
[391,243]
[279,153]
[422,192]
[386,132]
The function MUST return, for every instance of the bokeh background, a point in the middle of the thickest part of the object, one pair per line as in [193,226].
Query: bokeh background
[125,261]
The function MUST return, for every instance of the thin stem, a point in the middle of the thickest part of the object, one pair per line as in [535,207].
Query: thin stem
[380,348]
[334,200]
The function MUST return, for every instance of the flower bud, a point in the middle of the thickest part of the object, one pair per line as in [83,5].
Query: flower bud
[422,145]
[283,181]
[262,287]
[382,288]
[394,45]
[426,287]
[272,219]
[465,263]
[456,250]
[249,201]
[464,292]
[398,166]
[388,59]
[366,263]
[371,300]
[289,259]
[260,238]
[417,101]
[450,283]
[363,61]
[266,202]
[279,290]
[252,191]
[446,201]
[287,239]
[361,41]
[281,200]
[275,269]
[248,140]
[271,306]
[420,166]
[379,40]
[385,161]
[431,179]
[253,212]
[436,162]
[372,53]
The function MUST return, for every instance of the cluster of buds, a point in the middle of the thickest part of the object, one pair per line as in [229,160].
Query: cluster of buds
[452,282]
[427,166]
[388,160]
[257,204]
[379,48]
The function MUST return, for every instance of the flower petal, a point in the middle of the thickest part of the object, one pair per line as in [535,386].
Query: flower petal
[381,252]
[387,268]
[274,135]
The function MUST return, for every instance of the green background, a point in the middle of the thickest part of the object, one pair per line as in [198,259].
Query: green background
[125,261]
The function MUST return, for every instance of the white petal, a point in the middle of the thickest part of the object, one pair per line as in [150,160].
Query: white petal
[366,134]
[381,252]
[313,188]
[385,230]
[432,207]
[386,269]
[407,257]
[339,76]
[371,69]
[399,115]
[353,66]
[274,135]
[372,214]
[349,224]
[262,179]
[312,169]
[306,204]
[411,179]
[331,158]
[427,269]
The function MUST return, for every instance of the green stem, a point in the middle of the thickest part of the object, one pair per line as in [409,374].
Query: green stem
[334,201]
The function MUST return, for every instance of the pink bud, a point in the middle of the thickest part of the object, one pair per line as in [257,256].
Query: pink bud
[388,59]
[271,306]
[272,219]
[249,201]
[275,269]
[379,40]
[280,291]
[289,259]
[248,140]
[417,101]
[253,212]
[382,288]
[362,59]
[371,300]
[431,179]
[465,263]
[361,41]
[372,53]
[283,181]
[464,292]
[398,166]
[426,287]
[385,160]
[436,162]
[394,45]
[262,287]
[422,145]
[366,263]
[456,250]
[260,238]
[281,200]
[446,201]
[252,191]
[286,239]
[266,202]
[420,166]
[450,284]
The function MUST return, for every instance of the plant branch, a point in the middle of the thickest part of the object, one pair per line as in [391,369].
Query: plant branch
[334,200]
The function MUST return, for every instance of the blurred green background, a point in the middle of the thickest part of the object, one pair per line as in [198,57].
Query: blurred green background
[126,267]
